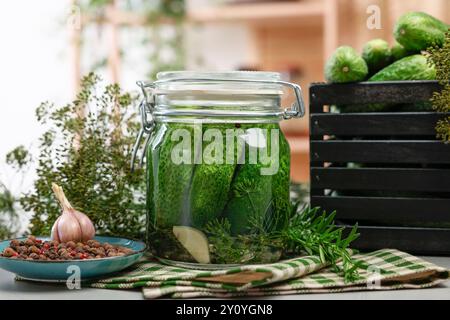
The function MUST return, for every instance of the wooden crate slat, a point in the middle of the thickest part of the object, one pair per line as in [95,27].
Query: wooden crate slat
[386,209]
[378,124]
[381,151]
[406,179]
[431,241]
[372,92]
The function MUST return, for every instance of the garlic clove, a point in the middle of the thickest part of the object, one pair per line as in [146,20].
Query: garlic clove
[87,227]
[194,241]
[68,228]
[54,232]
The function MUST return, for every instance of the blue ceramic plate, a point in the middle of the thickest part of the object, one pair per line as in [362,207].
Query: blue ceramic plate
[61,270]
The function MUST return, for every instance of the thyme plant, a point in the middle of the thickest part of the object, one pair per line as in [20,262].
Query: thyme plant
[89,157]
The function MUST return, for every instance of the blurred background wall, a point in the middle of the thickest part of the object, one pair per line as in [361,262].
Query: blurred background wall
[48,45]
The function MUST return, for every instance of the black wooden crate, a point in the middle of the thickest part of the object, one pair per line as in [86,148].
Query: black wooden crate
[399,193]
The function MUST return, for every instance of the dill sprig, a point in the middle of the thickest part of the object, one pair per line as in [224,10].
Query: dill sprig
[226,248]
[253,247]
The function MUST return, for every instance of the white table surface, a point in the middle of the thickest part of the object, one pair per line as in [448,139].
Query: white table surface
[21,290]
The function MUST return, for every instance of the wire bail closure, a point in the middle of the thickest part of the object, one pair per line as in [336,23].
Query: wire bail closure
[147,108]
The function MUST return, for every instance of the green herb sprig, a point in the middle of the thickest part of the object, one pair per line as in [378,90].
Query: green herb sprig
[303,231]
[226,248]
[440,57]
[314,231]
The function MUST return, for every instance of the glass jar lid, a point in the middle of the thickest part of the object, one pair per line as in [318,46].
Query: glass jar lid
[250,75]
[230,82]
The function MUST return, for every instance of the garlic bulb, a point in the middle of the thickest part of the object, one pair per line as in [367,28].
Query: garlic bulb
[72,225]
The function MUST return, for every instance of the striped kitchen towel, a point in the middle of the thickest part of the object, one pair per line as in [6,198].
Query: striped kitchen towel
[385,269]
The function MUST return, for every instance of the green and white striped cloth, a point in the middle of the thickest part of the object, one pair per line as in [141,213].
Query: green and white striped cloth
[385,269]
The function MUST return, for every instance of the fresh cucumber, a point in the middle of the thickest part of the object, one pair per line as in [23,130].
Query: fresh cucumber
[399,52]
[377,55]
[417,31]
[345,65]
[415,67]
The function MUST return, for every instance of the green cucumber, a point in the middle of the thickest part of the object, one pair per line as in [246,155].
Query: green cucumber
[169,183]
[210,184]
[377,55]
[399,52]
[345,65]
[417,31]
[415,67]
[256,198]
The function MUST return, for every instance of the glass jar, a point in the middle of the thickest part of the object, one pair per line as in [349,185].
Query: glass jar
[217,165]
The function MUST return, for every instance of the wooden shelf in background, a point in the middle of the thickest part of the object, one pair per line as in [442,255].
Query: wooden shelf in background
[121,18]
[293,11]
